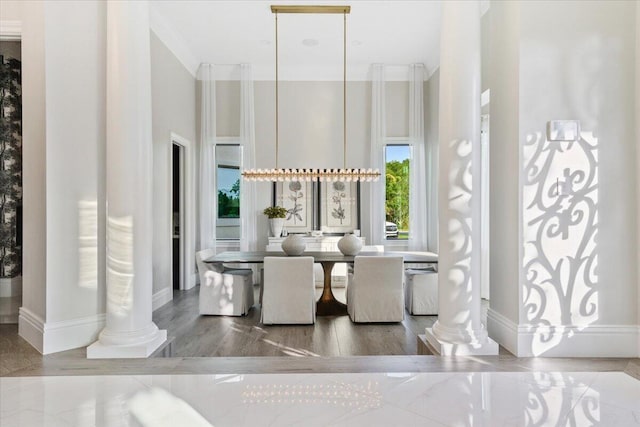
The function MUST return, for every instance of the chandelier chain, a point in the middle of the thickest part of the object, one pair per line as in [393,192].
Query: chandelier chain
[344,92]
[277,100]
[344,174]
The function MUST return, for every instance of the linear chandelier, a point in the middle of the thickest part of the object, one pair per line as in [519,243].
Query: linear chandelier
[344,174]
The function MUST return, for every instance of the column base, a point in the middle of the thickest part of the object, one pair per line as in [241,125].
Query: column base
[98,350]
[444,348]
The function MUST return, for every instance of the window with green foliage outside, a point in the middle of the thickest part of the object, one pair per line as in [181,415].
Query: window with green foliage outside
[228,181]
[398,163]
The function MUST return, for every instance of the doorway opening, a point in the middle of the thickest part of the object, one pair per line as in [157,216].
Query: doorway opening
[177,215]
[11,185]
[180,235]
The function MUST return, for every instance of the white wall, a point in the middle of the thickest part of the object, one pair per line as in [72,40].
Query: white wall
[599,94]
[311,124]
[637,118]
[63,155]
[311,127]
[485,46]
[505,157]
[75,117]
[11,10]
[564,60]
[31,15]
[397,108]
[228,108]
[173,95]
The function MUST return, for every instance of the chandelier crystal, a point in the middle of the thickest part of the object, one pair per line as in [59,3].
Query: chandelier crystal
[329,175]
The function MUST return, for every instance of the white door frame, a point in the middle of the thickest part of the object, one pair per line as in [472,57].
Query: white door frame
[187,209]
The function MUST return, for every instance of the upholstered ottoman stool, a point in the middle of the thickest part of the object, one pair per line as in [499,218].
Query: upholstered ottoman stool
[421,291]
[229,293]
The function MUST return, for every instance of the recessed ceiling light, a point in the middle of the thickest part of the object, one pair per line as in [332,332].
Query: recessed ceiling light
[310,42]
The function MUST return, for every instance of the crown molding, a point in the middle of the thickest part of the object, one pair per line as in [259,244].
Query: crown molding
[173,41]
[355,73]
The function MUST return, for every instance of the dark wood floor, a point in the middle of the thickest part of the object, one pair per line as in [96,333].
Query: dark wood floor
[243,336]
[205,336]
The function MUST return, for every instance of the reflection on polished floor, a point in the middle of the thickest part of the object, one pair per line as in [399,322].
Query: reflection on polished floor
[372,399]
[371,387]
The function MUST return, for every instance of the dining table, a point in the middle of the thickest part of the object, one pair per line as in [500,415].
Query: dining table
[327,305]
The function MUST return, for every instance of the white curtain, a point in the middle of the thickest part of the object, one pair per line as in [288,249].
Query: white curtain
[378,134]
[431,141]
[248,210]
[207,211]
[417,178]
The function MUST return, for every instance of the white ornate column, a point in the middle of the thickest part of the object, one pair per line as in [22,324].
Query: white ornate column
[459,330]
[129,330]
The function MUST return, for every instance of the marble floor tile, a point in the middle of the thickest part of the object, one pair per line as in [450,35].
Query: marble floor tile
[331,399]
[605,415]
[616,389]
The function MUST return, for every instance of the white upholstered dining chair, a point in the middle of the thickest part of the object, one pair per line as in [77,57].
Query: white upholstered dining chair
[227,292]
[374,292]
[289,292]
[366,248]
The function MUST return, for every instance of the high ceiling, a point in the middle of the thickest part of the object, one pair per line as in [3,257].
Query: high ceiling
[310,46]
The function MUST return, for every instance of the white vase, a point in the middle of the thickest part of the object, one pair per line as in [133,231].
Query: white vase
[293,245]
[276,225]
[350,245]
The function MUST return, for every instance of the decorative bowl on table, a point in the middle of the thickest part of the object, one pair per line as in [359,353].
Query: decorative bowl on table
[293,245]
[350,245]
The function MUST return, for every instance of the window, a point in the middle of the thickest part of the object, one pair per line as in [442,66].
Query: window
[228,160]
[228,180]
[397,166]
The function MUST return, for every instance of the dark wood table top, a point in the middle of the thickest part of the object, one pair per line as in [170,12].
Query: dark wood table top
[258,257]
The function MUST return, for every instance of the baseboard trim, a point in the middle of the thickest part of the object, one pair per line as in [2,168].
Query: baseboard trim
[528,340]
[31,328]
[53,337]
[10,287]
[73,333]
[502,330]
[161,297]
